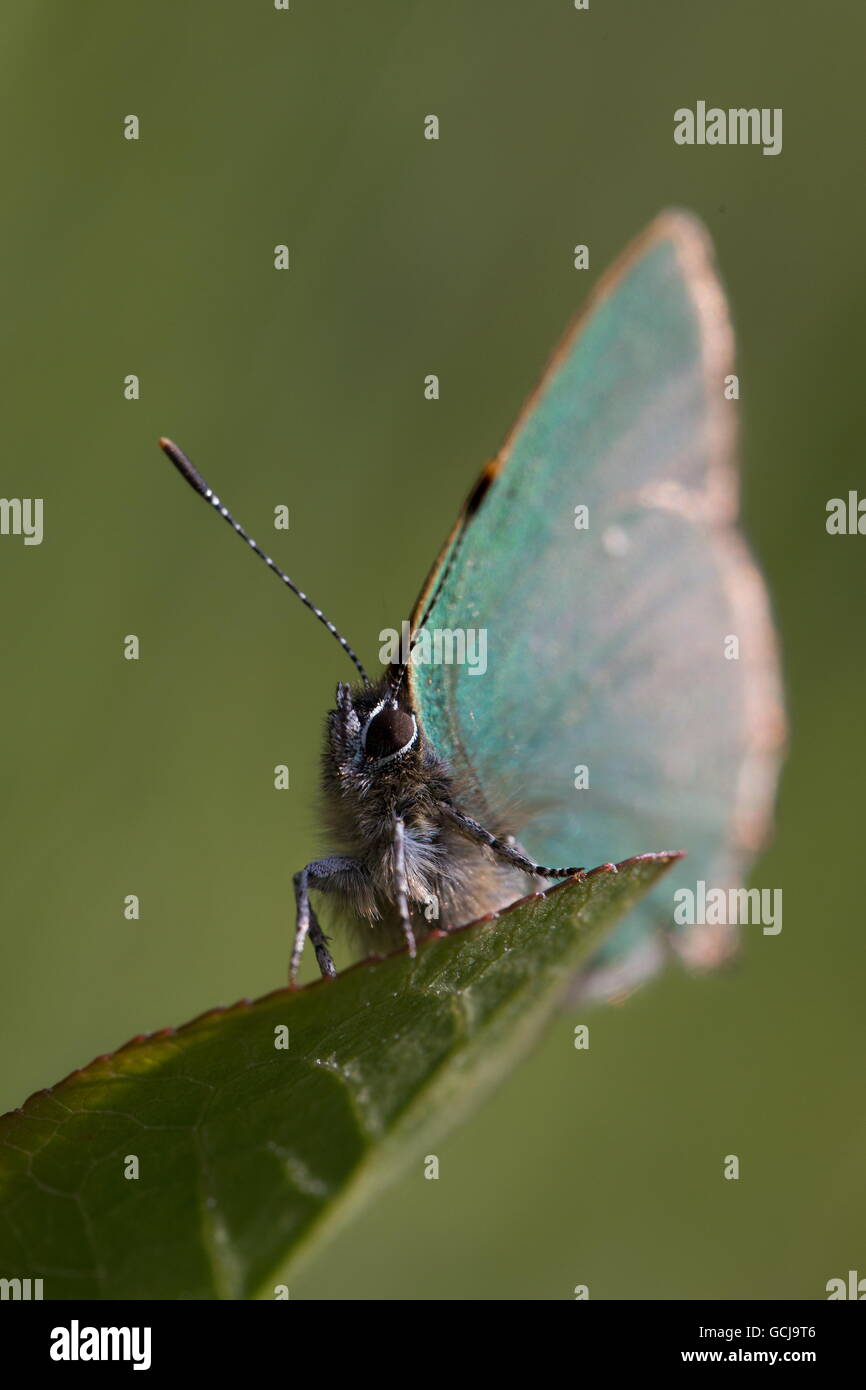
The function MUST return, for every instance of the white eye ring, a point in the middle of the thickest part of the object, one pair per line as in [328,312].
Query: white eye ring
[389,757]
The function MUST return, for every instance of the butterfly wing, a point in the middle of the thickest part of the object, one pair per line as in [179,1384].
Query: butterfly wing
[632,639]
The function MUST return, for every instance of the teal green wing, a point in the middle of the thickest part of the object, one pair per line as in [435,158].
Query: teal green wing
[632,639]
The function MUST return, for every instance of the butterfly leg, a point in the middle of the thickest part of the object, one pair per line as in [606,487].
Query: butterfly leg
[513,843]
[324,874]
[400,883]
[320,946]
[508,849]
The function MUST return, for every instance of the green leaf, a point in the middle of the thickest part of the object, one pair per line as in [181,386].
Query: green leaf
[247,1152]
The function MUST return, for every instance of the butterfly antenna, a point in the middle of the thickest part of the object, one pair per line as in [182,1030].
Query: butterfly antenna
[197,482]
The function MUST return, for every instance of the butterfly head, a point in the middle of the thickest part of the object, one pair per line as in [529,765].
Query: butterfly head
[371,729]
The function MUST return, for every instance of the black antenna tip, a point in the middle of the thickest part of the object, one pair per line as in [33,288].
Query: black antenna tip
[169,447]
[183,465]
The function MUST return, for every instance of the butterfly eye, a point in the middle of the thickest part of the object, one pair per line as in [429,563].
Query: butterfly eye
[389,732]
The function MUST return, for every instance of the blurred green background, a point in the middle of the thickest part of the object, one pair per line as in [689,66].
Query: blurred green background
[154,777]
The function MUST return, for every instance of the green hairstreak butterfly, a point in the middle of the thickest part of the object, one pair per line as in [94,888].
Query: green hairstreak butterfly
[629,697]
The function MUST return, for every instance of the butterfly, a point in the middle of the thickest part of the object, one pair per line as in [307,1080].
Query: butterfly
[630,695]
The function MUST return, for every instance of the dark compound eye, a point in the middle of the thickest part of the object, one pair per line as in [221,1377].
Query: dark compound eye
[388,732]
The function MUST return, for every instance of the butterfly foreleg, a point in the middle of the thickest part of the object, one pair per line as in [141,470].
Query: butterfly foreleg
[505,849]
[325,874]
[401,887]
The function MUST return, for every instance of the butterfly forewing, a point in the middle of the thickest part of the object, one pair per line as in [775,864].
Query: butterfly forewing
[604,565]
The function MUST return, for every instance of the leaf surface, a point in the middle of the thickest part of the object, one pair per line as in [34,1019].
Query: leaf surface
[248,1153]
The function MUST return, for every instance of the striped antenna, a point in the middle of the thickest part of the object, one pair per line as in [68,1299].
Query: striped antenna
[197,482]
